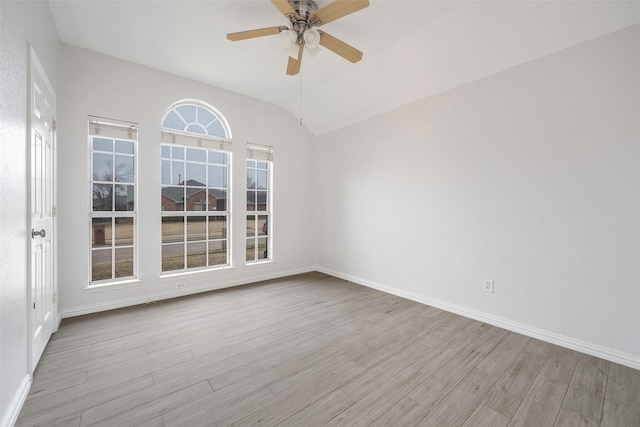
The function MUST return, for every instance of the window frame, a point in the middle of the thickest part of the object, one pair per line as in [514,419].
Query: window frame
[114,130]
[257,154]
[186,213]
[173,135]
[176,106]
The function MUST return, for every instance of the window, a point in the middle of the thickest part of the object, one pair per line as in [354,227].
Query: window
[196,118]
[113,193]
[259,166]
[195,204]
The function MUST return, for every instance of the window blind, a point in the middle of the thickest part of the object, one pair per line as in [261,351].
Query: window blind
[259,152]
[188,140]
[109,128]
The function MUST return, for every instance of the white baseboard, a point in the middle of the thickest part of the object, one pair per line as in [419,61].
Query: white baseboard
[146,299]
[530,331]
[9,419]
[625,359]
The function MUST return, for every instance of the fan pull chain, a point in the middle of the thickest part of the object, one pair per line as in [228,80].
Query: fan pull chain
[300,114]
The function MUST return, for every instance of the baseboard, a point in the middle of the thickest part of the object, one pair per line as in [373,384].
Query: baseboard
[530,331]
[146,299]
[524,329]
[9,419]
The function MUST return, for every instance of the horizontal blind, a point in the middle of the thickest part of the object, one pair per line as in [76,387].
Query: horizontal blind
[110,128]
[259,152]
[190,140]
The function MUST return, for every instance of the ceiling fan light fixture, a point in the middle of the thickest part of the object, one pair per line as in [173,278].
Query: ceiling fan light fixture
[313,52]
[288,38]
[293,51]
[311,38]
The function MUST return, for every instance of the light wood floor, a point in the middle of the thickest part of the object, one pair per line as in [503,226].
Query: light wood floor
[313,350]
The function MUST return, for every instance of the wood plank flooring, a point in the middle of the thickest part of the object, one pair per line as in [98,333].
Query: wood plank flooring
[313,350]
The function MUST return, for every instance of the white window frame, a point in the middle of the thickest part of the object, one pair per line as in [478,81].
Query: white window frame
[114,130]
[175,133]
[257,154]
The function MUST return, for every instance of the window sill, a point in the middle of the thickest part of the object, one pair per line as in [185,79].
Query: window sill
[112,285]
[262,262]
[170,275]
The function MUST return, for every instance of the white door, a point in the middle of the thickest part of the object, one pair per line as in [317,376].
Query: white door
[42,134]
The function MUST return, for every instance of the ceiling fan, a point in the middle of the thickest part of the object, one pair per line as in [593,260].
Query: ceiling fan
[304,16]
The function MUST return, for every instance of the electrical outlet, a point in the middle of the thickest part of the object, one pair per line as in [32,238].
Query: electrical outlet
[487,285]
[180,285]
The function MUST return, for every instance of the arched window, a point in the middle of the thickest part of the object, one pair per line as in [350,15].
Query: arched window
[197,118]
[195,158]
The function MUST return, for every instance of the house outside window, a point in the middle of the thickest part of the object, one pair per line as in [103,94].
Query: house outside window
[195,192]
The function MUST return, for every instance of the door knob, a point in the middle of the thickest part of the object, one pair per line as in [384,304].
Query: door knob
[40,233]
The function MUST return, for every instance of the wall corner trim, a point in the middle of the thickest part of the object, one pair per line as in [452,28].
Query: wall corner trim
[11,417]
[611,355]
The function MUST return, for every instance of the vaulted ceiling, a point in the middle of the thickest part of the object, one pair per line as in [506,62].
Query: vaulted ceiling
[412,49]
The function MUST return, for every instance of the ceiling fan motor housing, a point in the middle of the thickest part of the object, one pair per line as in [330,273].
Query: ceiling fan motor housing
[304,8]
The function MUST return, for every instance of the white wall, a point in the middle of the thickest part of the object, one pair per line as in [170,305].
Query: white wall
[530,177]
[95,84]
[20,23]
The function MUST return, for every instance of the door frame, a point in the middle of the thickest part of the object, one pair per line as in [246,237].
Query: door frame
[34,65]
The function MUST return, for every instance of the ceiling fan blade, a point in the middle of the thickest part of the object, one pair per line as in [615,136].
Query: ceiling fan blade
[335,10]
[293,67]
[339,47]
[284,7]
[243,35]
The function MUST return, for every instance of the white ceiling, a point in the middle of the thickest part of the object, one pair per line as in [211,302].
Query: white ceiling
[412,49]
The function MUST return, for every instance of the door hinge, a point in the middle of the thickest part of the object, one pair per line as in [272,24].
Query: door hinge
[53,298]
[53,124]
[34,305]
[54,211]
